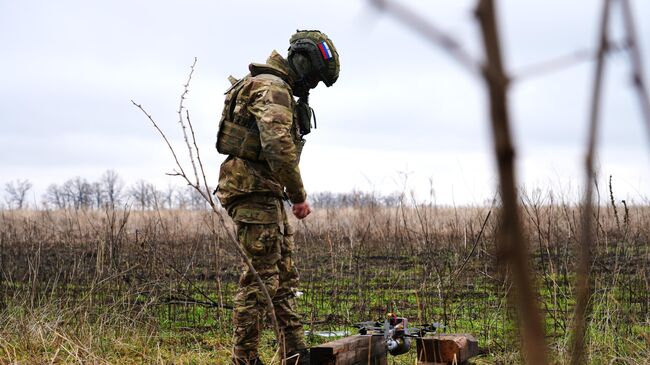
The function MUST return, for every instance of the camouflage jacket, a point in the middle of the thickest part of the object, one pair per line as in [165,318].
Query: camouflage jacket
[266,97]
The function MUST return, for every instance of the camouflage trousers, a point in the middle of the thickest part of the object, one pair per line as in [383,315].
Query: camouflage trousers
[269,246]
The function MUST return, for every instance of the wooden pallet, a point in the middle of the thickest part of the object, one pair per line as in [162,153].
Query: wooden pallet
[446,349]
[353,350]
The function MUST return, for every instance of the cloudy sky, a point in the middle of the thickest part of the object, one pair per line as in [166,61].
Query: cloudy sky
[401,115]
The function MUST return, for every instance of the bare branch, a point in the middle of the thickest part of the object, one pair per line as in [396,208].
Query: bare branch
[198,157]
[637,64]
[186,90]
[182,173]
[563,62]
[206,195]
[513,247]
[584,290]
[557,64]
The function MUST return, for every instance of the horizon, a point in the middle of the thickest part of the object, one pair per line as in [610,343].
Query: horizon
[179,196]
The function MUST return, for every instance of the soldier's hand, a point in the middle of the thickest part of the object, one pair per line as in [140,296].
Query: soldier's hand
[301,210]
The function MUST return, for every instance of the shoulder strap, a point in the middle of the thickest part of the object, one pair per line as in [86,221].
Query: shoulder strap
[234,92]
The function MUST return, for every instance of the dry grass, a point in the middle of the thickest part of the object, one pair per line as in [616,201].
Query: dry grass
[156,286]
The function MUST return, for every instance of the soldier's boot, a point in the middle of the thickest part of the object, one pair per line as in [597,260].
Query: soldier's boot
[298,357]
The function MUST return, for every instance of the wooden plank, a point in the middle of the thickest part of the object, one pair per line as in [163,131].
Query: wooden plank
[442,349]
[353,350]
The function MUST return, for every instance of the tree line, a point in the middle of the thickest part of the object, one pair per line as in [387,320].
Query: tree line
[111,191]
[108,191]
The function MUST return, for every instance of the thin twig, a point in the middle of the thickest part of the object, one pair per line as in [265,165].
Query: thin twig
[178,164]
[186,90]
[471,253]
[209,304]
[198,157]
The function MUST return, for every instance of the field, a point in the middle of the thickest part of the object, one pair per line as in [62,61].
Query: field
[156,286]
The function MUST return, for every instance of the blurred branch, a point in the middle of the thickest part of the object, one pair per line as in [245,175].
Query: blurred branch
[429,31]
[563,62]
[557,64]
[435,35]
[637,64]
[512,245]
[584,290]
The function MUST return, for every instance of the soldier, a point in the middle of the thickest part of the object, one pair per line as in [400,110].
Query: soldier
[261,130]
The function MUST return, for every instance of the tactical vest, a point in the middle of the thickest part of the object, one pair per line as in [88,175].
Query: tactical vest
[238,133]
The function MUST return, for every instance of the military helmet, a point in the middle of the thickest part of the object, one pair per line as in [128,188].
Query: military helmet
[321,52]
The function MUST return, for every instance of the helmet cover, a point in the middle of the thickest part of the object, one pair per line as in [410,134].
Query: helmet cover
[321,52]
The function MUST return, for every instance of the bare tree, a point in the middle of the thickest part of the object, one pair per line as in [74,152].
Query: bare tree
[78,193]
[55,197]
[17,192]
[167,196]
[97,194]
[157,198]
[112,186]
[181,200]
[142,193]
[196,201]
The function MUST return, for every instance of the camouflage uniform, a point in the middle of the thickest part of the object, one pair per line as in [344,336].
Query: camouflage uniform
[252,191]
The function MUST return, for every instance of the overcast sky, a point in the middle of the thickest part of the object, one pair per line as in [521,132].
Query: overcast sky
[401,114]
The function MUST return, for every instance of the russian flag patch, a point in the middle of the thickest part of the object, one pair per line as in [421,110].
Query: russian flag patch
[325,50]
